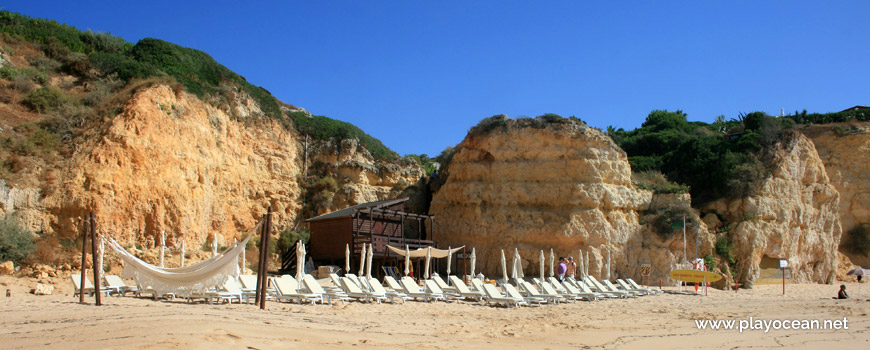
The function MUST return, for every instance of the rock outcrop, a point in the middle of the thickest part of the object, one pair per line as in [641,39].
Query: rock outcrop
[845,152]
[560,185]
[171,162]
[793,215]
[359,177]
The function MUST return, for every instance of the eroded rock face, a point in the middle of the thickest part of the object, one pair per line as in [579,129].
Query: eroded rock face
[24,203]
[794,215]
[360,177]
[846,156]
[172,162]
[564,186]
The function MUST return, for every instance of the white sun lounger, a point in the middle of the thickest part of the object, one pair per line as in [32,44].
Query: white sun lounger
[413,290]
[579,293]
[354,291]
[602,288]
[612,287]
[431,287]
[512,292]
[463,290]
[441,284]
[377,287]
[286,288]
[89,286]
[118,285]
[634,284]
[314,287]
[393,284]
[626,286]
[531,291]
[548,289]
[493,296]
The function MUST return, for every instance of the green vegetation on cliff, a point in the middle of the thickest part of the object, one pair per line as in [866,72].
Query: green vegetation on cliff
[106,64]
[713,160]
[323,128]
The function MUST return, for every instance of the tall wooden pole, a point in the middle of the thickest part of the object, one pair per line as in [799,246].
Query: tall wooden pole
[267,231]
[87,232]
[94,255]
[260,263]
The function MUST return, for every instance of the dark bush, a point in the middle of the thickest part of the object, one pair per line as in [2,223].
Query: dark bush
[16,242]
[657,182]
[858,240]
[725,250]
[289,237]
[669,220]
[46,99]
[709,262]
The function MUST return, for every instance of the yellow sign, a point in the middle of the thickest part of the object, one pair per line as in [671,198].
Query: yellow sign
[644,269]
[695,276]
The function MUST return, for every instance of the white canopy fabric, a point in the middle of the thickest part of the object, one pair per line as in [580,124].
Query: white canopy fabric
[182,254]
[504,267]
[182,281]
[473,261]
[449,257]
[428,257]
[407,261]
[362,260]
[369,256]
[542,264]
[517,269]
[346,258]
[581,266]
[421,252]
[608,265]
[552,261]
[587,263]
[300,260]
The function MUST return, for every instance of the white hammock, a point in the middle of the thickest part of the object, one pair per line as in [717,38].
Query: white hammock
[187,280]
[421,252]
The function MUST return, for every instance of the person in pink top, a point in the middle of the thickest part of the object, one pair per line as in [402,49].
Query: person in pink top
[563,267]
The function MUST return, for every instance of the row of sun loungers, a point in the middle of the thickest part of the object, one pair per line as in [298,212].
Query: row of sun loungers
[351,287]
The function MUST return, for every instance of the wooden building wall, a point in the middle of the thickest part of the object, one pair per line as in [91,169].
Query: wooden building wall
[329,237]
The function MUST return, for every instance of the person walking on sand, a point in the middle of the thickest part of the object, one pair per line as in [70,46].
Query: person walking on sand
[571,267]
[560,272]
[842,294]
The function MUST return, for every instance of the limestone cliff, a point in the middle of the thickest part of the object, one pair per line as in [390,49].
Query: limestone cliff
[845,152]
[560,185]
[793,215]
[171,162]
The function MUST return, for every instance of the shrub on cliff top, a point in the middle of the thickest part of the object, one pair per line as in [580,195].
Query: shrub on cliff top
[323,128]
[16,243]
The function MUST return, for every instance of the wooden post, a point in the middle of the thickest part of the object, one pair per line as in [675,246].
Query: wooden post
[94,255]
[267,231]
[260,262]
[84,269]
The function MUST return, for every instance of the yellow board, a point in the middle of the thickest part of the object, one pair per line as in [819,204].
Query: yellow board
[695,276]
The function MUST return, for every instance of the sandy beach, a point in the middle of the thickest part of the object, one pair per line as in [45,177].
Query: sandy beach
[663,321]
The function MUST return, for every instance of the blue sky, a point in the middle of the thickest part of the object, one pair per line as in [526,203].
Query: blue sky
[418,75]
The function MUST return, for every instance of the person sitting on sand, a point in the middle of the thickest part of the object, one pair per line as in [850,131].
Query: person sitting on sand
[842,294]
[560,271]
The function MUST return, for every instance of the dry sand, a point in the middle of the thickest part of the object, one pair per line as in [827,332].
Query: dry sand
[653,322]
